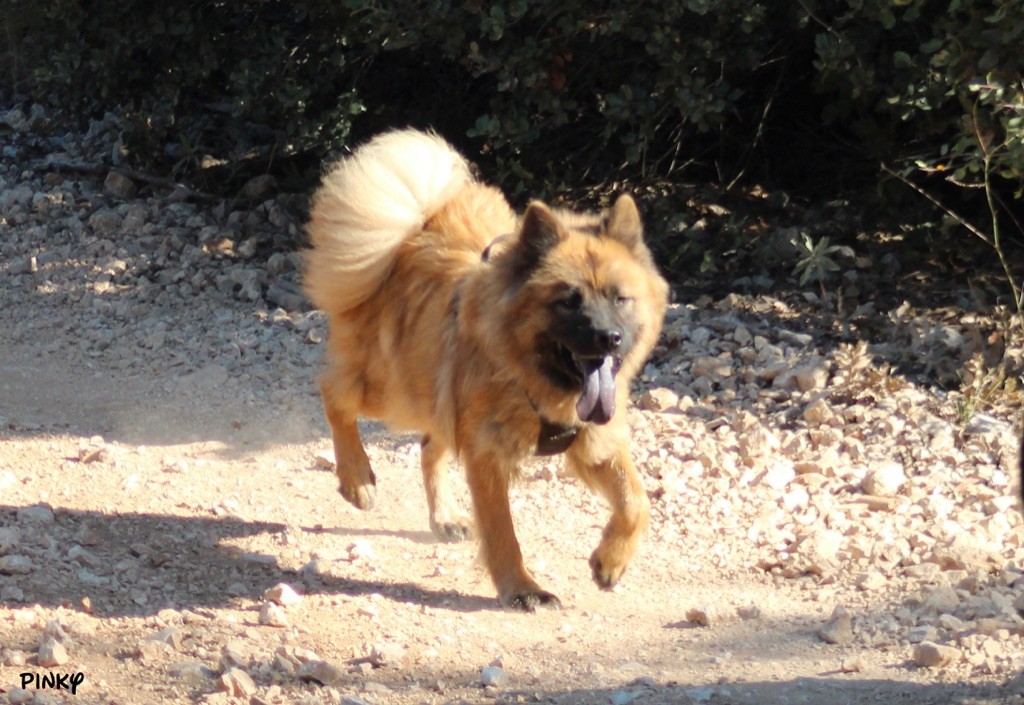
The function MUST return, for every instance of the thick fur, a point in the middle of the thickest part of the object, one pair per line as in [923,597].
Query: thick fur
[473,352]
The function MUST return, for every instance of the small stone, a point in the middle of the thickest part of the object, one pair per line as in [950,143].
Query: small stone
[353,700]
[105,222]
[190,669]
[272,615]
[928,654]
[320,672]
[361,550]
[13,657]
[749,612]
[924,632]
[811,376]
[84,557]
[839,629]
[870,581]
[119,185]
[20,696]
[324,459]
[820,550]
[386,653]
[37,514]
[711,367]
[236,683]
[16,564]
[942,600]
[854,664]
[10,537]
[171,636]
[780,474]
[11,593]
[258,188]
[149,650]
[51,653]
[232,655]
[494,676]
[282,594]
[623,697]
[706,615]
[207,378]
[742,336]
[659,399]
[818,413]
[884,481]
[92,454]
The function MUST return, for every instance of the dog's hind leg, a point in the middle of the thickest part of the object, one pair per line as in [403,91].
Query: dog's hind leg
[445,520]
[610,472]
[356,481]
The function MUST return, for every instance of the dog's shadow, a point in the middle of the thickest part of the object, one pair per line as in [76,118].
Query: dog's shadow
[137,564]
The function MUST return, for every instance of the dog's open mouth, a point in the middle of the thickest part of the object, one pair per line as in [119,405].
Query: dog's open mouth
[597,377]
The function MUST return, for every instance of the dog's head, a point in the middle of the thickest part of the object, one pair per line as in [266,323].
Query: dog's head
[586,302]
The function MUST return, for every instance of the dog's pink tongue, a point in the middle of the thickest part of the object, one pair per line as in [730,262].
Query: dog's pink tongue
[597,403]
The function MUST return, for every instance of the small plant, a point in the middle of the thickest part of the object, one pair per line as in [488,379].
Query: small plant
[818,262]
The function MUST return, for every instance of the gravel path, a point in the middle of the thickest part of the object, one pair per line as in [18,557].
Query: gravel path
[823,529]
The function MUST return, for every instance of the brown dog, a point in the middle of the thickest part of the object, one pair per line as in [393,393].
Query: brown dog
[496,338]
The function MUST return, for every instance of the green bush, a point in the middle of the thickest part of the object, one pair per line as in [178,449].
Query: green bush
[195,76]
[548,93]
[936,85]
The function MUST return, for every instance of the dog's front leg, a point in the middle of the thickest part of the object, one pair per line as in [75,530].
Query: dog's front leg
[603,463]
[488,480]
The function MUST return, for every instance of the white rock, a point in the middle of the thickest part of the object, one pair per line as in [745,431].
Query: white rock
[386,653]
[361,550]
[839,629]
[236,683]
[10,538]
[323,460]
[818,413]
[942,600]
[886,480]
[51,653]
[494,676]
[623,697]
[779,474]
[321,672]
[812,376]
[37,513]
[20,696]
[283,594]
[272,615]
[870,581]
[659,399]
[708,615]
[16,564]
[119,185]
[928,654]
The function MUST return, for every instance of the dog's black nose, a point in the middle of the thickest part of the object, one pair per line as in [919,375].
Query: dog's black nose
[609,340]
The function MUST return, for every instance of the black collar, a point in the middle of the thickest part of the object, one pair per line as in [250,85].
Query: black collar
[554,438]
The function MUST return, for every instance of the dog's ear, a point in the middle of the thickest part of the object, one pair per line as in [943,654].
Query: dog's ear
[539,233]
[622,222]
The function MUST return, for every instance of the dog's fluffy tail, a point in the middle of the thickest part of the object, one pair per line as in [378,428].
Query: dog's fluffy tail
[368,204]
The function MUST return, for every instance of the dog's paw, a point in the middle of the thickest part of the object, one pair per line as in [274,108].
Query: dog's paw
[606,569]
[529,600]
[452,531]
[360,496]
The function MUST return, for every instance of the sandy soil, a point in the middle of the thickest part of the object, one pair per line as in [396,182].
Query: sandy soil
[159,472]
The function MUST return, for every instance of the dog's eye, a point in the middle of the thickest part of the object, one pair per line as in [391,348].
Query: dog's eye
[572,301]
[621,300]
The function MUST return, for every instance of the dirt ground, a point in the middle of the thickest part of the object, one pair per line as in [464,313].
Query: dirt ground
[161,470]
